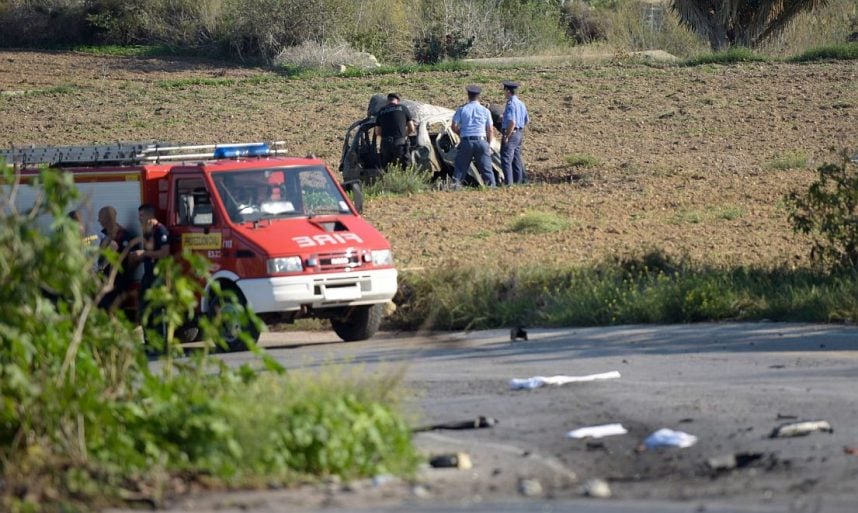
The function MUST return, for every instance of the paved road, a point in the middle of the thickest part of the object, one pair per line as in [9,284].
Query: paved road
[728,384]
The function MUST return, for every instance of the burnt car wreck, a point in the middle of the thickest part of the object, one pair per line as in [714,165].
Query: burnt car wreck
[432,149]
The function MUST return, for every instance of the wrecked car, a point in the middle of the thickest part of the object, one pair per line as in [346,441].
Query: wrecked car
[432,149]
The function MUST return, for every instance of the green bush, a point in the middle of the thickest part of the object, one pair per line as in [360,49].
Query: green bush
[86,422]
[842,51]
[538,222]
[789,160]
[398,180]
[828,212]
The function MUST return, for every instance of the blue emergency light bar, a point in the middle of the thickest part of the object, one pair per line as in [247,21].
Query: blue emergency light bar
[233,151]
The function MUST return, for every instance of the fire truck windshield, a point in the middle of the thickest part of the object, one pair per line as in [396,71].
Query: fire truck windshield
[255,194]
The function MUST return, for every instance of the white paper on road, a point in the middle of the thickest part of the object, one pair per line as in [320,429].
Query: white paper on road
[597,431]
[669,438]
[540,381]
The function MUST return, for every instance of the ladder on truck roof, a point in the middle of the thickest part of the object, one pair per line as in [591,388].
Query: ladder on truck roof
[135,153]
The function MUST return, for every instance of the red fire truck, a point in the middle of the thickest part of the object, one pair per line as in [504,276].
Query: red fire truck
[280,231]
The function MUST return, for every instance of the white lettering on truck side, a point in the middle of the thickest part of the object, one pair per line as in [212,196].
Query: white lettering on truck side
[305,241]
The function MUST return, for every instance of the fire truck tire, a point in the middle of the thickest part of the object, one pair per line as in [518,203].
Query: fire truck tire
[231,331]
[360,324]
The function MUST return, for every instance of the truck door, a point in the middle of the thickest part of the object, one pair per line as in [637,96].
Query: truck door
[193,220]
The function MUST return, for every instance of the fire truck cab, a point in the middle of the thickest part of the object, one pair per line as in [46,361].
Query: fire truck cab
[280,231]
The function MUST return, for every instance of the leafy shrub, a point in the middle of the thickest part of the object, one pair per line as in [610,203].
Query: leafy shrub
[432,49]
[397,180]
[84,420]
[790,160]
[581,160]
[585,24]
[828,212]
[538,222]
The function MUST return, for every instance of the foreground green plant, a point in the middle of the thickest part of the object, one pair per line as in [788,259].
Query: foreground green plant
[398,180]
[828,212]
[85,422]
[652,288]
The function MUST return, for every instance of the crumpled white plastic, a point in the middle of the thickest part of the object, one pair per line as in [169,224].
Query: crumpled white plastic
[665,437]
[597,431]
[540,381]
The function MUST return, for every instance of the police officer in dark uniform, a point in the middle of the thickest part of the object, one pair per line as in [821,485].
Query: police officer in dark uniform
[393,124]
[473,123]
[515,118]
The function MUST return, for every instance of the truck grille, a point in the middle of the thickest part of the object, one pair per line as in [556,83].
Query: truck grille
[347,260]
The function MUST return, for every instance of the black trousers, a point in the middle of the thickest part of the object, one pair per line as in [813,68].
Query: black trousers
[394,152]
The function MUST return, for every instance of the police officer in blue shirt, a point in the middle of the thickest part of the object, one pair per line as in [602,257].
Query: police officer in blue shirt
[473,123]
[515,118]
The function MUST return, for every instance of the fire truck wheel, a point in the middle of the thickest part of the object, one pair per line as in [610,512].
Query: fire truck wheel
[234,324]
[360,324]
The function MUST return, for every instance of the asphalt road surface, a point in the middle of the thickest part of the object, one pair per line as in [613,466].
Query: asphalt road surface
[729,385]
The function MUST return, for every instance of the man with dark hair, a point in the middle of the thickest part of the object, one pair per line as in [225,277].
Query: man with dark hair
[393,124]
[515,118]
[473,123]
[156,245]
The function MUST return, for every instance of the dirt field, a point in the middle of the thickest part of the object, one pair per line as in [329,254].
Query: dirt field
[685,154]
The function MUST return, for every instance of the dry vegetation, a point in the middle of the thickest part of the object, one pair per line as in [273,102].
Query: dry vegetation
[682,154]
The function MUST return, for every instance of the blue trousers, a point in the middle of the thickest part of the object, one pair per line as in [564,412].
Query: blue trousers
[476,150]
[511,162]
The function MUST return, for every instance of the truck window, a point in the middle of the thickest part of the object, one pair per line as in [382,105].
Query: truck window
[253,195]
[194,206]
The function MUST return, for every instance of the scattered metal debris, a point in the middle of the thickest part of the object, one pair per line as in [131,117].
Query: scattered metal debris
[597,431]
[665,437]
[851,450]
[530,487]
[517,333]
[478,423]
[540,381]
[733,461]
[597,488]
[459,460]
[801,429]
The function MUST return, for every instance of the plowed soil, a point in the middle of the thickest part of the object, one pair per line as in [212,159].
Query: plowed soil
[686,155]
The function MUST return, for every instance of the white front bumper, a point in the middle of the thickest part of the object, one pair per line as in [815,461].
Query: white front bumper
[290,293]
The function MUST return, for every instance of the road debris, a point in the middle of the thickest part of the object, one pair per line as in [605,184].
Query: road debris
[597,488]
[540,381]
[597,431]
[518,332]
[477,423]
[530,487]
[459,460]
[733,461]
[665,437]
[801,429]
[851,450]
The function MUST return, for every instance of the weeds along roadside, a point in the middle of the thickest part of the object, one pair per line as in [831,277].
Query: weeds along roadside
[86,422]
[650,289]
